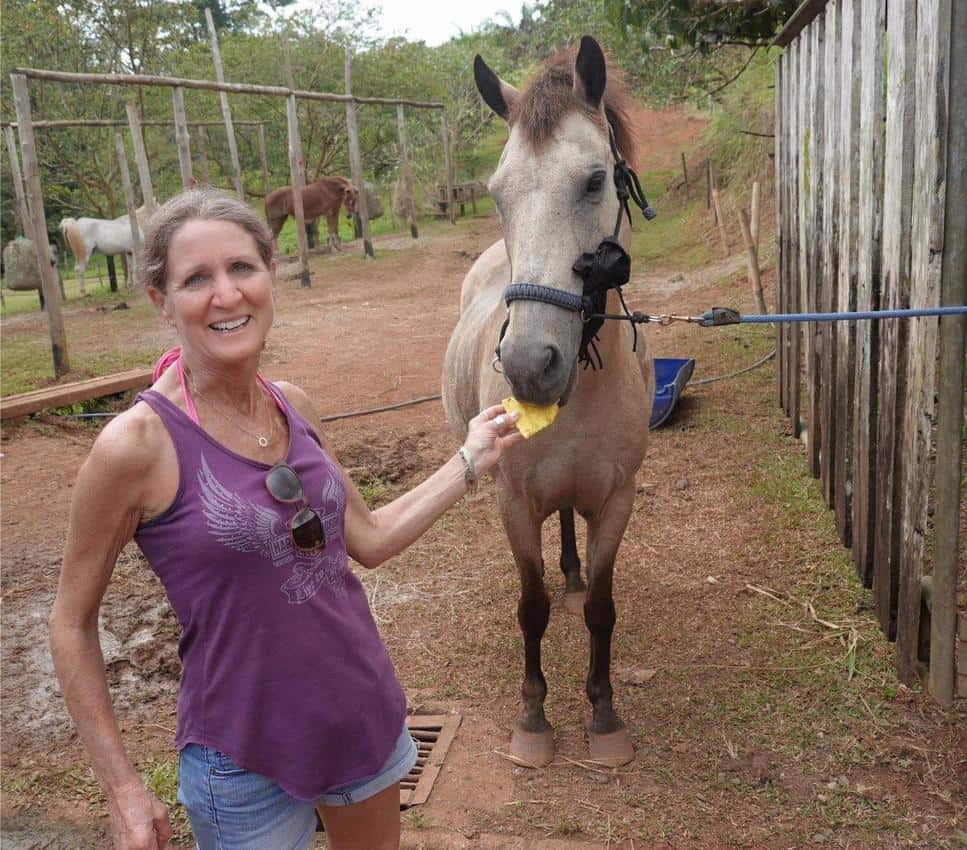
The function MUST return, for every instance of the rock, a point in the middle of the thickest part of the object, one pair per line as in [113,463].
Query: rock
[681,484]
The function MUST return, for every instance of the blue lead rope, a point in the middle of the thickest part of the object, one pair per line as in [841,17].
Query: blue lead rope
[727,316]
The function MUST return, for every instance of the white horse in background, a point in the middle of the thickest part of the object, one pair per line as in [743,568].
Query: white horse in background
[84,236]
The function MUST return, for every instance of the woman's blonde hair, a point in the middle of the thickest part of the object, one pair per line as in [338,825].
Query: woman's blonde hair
[204,204]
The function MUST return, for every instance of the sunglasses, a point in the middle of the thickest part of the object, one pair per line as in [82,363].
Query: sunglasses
[306,527]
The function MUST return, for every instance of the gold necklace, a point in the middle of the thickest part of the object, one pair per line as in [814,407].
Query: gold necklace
[261,439]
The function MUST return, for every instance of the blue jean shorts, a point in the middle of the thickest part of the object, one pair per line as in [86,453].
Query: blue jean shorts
[231,808]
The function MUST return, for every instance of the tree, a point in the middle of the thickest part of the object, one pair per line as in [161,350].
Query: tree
[703,24]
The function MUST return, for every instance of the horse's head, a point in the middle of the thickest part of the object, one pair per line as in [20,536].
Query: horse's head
[555,194]
[350,199]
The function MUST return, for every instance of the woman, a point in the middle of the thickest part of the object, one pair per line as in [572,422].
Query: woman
[288,700]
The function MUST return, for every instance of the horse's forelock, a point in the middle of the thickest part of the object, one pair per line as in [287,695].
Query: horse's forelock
[545,102]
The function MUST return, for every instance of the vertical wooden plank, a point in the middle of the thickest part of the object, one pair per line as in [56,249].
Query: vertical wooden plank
[929,184]
[869,228]
[202,135]
[950,381]
[226,110]
[141,158]
[264,160]
[182,139]
[133,272]
[355,158]
[297,169]
[814,225]
[782,221]
[829,258]
[23,212]
[849,128]
[894,333]
[796,236]
[407,172]
[448,166]
[35,204]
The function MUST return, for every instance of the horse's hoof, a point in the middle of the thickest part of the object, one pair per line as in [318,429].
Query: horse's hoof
[574,602]
[611,749]
[532,749]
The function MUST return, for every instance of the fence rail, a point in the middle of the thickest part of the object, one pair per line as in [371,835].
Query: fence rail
[869,174]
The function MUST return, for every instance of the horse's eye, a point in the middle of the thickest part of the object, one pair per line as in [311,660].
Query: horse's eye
[595,183]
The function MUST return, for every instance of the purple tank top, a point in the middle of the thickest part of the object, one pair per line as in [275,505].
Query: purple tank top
[284,669]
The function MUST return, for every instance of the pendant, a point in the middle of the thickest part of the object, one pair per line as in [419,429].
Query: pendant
[263,441]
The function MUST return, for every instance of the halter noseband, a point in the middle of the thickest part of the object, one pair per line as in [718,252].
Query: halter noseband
[608,267]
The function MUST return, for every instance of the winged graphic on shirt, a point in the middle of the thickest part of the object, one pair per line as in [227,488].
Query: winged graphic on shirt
[247,527]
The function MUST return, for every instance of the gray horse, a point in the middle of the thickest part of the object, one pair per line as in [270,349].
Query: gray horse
[557,199]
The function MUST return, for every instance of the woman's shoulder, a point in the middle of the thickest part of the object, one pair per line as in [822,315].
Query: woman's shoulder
[302,404]
[131,442]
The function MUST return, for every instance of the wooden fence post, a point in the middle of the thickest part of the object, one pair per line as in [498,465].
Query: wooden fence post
[685,175]
[754,214]
[869,235]
[950,412]
[448,165]
[827,258]
[796,234]
[182,138]
[927,243]
[781,171]
[407,173]
[882,556]
[129,203]
[141,158]
[202,136]
[226,110]
[848,79]
[297,167]
[35,204]
[755,280]
[263,159]
[721,221]
[23,213]
[355,158]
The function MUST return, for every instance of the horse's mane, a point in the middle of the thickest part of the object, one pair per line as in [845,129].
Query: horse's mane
[550,97]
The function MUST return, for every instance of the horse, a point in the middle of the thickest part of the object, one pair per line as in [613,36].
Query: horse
[109,236]
[557,200]
[321,198]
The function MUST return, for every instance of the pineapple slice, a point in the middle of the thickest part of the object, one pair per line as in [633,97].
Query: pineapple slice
[533,417]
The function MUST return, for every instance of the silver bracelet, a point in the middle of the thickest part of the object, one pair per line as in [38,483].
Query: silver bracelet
[470,473]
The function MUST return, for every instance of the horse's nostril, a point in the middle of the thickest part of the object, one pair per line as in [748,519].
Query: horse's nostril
[552,357]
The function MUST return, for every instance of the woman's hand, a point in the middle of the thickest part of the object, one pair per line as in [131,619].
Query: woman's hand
[488,434]
[139,820]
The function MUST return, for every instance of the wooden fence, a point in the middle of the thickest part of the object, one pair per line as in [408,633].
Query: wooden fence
[870,196]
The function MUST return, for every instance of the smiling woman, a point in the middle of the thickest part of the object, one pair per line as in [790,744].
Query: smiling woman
[224,481]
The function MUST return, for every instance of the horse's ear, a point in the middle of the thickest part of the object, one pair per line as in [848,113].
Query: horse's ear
[497,94]
[590,74]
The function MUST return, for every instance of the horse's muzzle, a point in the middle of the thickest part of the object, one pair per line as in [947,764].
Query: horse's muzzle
[536,371]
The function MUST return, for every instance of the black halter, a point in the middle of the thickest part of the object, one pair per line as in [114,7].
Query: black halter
[608,267]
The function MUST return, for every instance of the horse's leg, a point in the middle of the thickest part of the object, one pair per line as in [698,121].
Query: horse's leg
[79,268]
[532,742]
[609,740]
[574,586]
[332,225]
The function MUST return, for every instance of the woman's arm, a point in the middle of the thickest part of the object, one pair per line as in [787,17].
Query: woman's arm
[105,510]
[374,536]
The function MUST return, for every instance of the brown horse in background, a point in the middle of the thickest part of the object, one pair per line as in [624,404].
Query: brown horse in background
[322,198]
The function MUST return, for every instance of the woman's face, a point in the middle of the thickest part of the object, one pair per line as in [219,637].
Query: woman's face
[219,292]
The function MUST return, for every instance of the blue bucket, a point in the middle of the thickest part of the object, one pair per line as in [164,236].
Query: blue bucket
[672,374]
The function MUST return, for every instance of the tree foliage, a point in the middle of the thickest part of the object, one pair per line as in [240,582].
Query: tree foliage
[703,24]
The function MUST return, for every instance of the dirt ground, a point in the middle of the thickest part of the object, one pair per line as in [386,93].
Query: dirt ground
[747,663]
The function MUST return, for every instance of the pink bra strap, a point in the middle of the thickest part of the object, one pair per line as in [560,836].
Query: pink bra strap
[189,402]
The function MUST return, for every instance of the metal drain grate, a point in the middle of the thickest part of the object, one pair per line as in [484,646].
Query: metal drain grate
[433,734]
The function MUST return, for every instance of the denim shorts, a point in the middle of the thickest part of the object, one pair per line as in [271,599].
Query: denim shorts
[231,808]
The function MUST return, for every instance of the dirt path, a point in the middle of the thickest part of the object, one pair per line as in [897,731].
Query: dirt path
[756,725]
